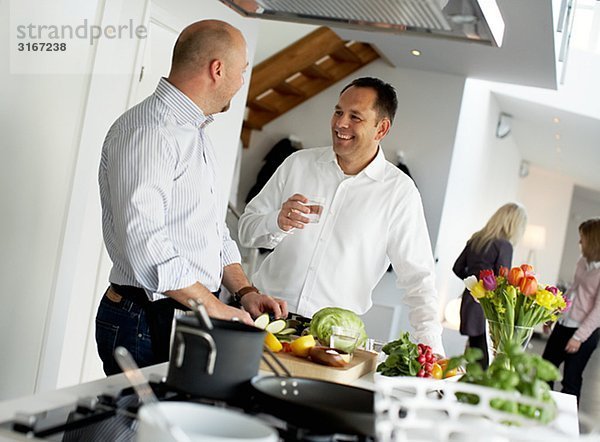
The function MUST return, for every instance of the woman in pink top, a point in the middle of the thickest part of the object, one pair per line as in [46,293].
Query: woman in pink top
[576,335]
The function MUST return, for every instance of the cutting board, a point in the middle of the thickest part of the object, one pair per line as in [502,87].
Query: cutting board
[363,362]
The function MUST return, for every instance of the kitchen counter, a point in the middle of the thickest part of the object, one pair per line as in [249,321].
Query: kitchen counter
[65,396]
[567,420]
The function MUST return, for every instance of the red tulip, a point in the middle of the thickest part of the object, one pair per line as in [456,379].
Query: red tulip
[485,273]
[528,285]
[503,271]
[515,275]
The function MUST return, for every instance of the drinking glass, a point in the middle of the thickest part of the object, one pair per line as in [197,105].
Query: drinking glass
[344,339]
[315,204]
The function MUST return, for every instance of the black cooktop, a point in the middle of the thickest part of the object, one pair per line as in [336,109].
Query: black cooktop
[112,416]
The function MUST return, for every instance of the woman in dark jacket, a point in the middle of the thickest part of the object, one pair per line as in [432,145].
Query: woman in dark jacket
[489,248]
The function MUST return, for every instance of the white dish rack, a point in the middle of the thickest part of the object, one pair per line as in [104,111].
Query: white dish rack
[417,409]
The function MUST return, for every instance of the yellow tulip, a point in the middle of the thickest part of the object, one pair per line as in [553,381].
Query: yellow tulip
[477,290]
[545,299]
[511,292]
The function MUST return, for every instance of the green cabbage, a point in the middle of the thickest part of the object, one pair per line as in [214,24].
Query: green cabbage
[324,319]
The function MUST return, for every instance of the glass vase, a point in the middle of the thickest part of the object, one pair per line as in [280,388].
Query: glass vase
[502,334]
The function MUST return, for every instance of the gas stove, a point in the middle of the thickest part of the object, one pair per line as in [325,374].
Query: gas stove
[112,416]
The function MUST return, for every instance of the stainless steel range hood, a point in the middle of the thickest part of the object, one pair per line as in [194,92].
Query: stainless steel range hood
[477,21]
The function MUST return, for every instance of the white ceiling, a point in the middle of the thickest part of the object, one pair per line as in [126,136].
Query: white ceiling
[576,153]
[526,58]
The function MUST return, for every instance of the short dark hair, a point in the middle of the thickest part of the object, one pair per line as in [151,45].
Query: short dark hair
[386,102]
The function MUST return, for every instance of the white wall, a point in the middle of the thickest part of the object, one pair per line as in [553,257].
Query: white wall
[572,96]
[72,302]
[40,117]
[483,176]
[585,204]
[547,197]
[424,129]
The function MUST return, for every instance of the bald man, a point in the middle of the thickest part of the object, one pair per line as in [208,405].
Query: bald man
[161,206]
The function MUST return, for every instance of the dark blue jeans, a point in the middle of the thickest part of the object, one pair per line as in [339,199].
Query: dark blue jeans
[122,324]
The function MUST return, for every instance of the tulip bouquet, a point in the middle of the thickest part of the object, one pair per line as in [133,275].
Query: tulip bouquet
[514,302]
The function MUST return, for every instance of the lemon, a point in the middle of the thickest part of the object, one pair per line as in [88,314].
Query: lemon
[447,373]
[437,372]
[302,345]
[273,343]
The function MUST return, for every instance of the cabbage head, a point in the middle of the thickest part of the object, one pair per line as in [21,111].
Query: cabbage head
[324,319]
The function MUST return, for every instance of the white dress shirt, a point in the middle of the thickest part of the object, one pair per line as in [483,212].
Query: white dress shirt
[161,208]
[368,220]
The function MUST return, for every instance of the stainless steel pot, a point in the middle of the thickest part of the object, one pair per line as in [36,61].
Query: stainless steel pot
[215,363]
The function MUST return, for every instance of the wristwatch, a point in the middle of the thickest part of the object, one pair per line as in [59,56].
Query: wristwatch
[237,296]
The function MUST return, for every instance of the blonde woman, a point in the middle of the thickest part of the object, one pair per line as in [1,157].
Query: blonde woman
[489,248]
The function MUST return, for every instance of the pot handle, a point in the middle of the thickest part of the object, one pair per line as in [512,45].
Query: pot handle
[201,313]
[180,352]
[275,362]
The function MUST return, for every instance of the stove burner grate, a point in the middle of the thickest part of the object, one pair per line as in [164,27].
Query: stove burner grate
[112,416]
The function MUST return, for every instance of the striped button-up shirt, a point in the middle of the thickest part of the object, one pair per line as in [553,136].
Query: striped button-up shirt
[161,208]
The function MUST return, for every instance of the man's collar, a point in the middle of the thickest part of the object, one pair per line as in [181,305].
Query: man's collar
[184,109]
[374,170]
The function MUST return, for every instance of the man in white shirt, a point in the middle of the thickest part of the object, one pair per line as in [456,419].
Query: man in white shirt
[372,215]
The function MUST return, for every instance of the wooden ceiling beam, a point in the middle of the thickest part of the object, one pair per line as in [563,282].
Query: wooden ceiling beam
[345,54]
[246,135]
[299,72]
[286,88]
[316,71]
[261,105]
[365,52]
[295,58]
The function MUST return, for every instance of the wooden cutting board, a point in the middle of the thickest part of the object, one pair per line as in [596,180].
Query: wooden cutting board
[363,362]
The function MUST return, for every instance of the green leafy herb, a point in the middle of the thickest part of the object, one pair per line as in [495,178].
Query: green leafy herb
[402,358]
[514,370]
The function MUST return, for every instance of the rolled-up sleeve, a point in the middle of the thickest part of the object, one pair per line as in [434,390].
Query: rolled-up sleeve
[231,252]
[140,189]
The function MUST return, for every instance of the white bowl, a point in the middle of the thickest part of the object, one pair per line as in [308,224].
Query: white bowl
[202,423]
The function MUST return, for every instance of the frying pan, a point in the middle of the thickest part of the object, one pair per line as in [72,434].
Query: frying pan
[321,406]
